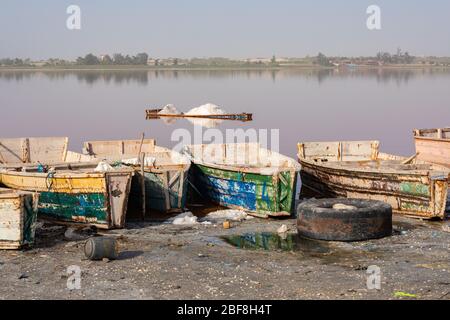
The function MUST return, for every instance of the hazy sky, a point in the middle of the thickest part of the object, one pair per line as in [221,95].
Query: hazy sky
[231,28]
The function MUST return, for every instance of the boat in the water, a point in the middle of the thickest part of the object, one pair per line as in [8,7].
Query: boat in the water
[433,145]
[18,214]
[165,171]
[71,186]
[245,176]
[356,169]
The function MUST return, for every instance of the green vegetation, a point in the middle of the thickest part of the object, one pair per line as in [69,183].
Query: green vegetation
[323,61]
[398,58]
[118,59]
[143,60]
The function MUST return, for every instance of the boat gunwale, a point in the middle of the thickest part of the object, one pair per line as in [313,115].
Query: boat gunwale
[419,134]
[437,169]
[292,165]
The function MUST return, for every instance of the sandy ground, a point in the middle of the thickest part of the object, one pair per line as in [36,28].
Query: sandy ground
[163,261]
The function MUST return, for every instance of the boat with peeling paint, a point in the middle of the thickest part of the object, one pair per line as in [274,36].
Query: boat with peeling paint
[71,187]
[18,214]
[245,176]
[433,145]
[356,169]
[165,171]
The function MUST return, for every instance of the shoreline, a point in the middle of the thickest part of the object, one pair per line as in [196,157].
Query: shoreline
[220,68]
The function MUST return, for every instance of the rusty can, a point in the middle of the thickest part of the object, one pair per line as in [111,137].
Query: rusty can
[99,248]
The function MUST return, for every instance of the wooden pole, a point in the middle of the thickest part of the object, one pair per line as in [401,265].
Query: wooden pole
[144,204]
[140,146]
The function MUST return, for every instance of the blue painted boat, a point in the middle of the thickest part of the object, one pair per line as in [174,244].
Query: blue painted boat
[245,177]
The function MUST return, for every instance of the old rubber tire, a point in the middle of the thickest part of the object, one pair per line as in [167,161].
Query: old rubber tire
[369,220]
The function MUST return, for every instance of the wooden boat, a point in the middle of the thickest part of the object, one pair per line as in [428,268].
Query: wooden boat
[165,171]
[433,145]
[356,169]
[18,213]
[246,177]
[70,190]
[154,114]
[38,150]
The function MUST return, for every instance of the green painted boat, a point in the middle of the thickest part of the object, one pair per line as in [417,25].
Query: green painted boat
[71,186]
[245,177]
[165,171]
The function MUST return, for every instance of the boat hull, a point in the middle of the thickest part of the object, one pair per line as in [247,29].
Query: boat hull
[18,213]
[417,195]
[165,190]
[259,194]
[433,145]
[98,199]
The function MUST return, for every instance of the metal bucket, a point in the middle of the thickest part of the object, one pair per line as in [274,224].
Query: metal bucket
[99,248]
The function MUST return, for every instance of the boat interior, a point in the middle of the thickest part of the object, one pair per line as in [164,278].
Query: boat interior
[42,154]
[128,152]
[439,133]
[360,155]
[238,155]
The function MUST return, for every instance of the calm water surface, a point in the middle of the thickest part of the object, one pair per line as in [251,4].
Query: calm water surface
[304,105]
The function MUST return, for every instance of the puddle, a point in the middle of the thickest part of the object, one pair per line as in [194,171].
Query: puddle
[274,242]
[343,254]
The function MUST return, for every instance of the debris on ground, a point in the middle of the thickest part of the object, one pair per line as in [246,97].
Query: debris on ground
[78,234]
[401,294]
[227,224]
[283,229]
[233,215]
[185,218]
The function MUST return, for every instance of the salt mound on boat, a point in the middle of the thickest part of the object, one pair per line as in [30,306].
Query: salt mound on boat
[169,109]
[206,110]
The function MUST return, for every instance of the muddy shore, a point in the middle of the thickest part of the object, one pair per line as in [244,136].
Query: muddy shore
[162,261]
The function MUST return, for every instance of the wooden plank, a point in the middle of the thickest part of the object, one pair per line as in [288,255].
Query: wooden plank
[33,150]
[118,148]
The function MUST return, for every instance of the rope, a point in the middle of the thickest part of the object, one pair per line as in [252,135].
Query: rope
[50,177]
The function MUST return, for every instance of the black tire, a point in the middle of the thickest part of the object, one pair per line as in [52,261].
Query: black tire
[318,220]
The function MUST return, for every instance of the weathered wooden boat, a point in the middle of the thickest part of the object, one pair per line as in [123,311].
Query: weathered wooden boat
[244,117]
[38,150]
[433,145]
[356,169]
[246,177]
[70,188]
[18,213]
[165,171]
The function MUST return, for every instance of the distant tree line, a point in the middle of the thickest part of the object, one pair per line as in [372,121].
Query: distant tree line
[323,60]
[15,62]
[398,58]
[116,59]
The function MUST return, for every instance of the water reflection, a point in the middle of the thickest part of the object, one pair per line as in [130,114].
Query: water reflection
[143,77]
[275,242]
